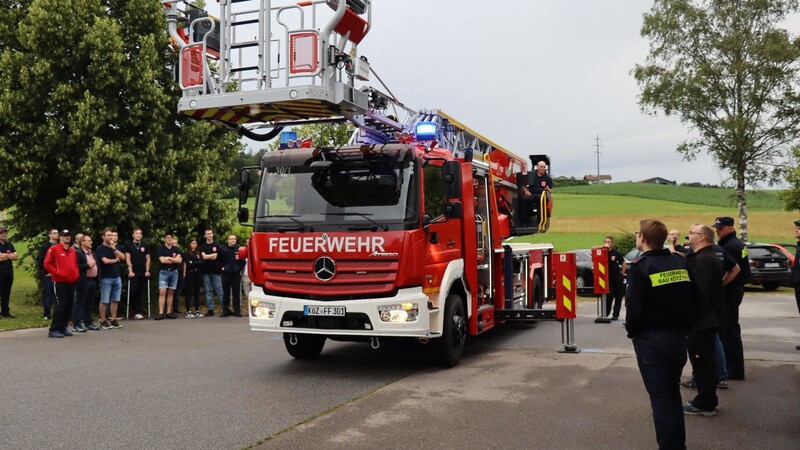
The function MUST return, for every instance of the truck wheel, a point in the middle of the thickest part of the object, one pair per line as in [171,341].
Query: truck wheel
[450,346]
[770,285]
[306,346]
[538,292]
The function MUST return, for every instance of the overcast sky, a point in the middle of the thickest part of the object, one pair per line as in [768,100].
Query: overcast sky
[534,77]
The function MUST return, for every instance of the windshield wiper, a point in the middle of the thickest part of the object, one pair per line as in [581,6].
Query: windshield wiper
[303,226]
[375,226]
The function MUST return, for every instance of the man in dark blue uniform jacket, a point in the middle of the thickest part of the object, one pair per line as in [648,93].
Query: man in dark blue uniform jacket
[662,306]
[734,293]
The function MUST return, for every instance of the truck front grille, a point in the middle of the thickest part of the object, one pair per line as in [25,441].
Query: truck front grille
[353,278]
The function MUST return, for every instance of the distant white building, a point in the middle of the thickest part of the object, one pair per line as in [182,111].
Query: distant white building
[597,179]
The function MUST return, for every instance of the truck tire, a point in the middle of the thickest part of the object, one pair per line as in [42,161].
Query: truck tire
[308,346]
[538,292]
[450,346]
[770,285]
[536,296]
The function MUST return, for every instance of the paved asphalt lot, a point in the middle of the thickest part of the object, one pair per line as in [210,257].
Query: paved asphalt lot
[210,383]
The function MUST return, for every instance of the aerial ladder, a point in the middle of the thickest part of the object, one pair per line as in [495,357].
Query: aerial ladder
[264,65]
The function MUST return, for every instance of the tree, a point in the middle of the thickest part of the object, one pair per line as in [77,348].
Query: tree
[90,137]
[321,134]
[729,73]
[791,196]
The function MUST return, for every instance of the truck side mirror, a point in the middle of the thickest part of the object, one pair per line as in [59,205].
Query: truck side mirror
[244,186]
[243,215]
[452,179]
[454,210]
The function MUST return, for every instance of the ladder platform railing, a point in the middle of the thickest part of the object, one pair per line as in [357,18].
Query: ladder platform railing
[282,60]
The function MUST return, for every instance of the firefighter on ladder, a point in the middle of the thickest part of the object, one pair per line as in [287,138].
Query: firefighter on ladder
[537,199]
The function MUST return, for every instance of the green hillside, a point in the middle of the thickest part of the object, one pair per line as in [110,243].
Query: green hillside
[719,197]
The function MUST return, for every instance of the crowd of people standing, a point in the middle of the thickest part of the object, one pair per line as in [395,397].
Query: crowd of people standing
[72,272]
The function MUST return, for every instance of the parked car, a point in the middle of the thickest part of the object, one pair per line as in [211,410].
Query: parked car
[788,250]
[584,278]
[631,255]
[769,266]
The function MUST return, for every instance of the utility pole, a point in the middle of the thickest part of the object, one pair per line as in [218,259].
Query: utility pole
[597,152]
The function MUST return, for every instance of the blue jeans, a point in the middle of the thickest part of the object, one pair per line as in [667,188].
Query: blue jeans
[722,365]
[661,357]
[212,280]
[110,290]
[168,279]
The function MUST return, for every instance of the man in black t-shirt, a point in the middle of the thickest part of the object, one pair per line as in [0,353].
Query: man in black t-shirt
[231,278]
[137,257]
[672,241]
[617,287]
[169,255]
[108,258]
[212,270]
[541,180]
[8,254]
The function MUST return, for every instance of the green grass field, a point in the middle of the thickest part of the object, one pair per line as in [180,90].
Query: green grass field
[718,197]
[582,216]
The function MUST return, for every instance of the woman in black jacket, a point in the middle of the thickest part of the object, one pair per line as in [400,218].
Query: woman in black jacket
[192,262]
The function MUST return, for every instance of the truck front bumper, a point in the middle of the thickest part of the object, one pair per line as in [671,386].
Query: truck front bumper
[361,318]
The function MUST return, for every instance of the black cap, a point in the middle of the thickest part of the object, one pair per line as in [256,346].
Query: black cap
[796,223]
[64,233]
[723,222]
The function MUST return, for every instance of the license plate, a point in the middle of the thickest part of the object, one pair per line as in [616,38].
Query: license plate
[324,311]
[772,265]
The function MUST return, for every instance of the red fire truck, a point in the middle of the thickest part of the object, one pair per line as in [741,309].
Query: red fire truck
[402,233]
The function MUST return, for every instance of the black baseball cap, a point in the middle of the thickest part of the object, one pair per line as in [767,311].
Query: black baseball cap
[64,233]
[723,222]
[796,223]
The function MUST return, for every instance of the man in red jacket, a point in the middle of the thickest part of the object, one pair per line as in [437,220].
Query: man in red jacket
[62,264]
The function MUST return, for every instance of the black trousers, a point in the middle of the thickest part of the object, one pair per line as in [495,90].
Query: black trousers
[702,355]
[191,289]
[176,297]
[732,338]
[6,281]
[232,291]
[138,283]
[615,296]
[797,297]
[65,293]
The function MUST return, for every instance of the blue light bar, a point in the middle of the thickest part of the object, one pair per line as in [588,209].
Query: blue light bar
[287,136]
[427,131]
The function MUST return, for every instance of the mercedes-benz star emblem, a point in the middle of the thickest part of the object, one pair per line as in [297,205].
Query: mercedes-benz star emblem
[324,268]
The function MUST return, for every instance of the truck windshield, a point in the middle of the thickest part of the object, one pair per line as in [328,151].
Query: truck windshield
[338,190]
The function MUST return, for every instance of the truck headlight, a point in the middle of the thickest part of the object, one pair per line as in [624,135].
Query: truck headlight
[262,310]
[401,312]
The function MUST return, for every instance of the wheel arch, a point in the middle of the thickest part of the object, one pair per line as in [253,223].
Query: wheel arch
[453,283]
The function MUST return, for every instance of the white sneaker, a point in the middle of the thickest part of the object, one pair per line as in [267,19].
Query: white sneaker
[138,317]
[190,315]
[198,314]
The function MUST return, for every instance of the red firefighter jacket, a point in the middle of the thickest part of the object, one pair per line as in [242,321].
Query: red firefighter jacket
[62,264]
